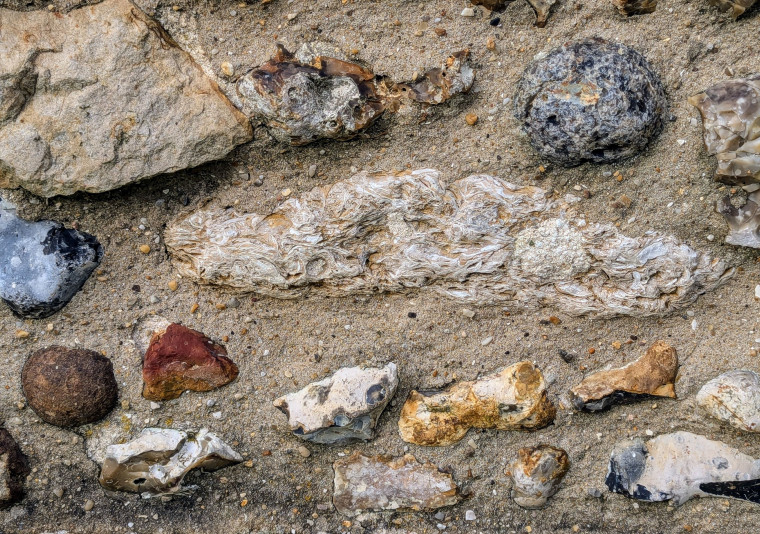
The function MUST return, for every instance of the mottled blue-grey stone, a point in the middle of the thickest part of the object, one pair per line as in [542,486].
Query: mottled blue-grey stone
[590,100]
[42,264]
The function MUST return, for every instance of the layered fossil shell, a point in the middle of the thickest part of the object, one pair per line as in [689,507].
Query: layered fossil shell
[343,407]
[733,397]
[730,116]
[536,474]
[652,375]
[154,463]
[680,466]
[374,483]
[481,240]
[512,399]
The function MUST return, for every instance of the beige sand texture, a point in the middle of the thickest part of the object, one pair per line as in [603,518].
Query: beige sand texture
[280,346]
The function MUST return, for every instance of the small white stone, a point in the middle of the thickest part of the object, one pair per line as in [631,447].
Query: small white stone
[469,515]
[757,292]
[710,237]
[486,341]
[216,415]
[470,314]
[694,324]
[468,12]
[681,142]
[154,405]
[649,433]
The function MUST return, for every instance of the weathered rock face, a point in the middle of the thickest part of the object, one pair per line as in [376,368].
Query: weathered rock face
[680,466]
[635,7]
[306,96]
[374,483]
[155,463]
[652,375]
[590,100]
[733,397]
[14,468]
[42,264]
[736,7]
[512,399]
[537,473]
[744,222]
[88,109]
[730,111]
[69,387]
[342,408]
[481,240]
[180,359]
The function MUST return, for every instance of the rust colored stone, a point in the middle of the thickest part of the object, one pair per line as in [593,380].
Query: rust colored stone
[512,399]
[652,375]
[180,359]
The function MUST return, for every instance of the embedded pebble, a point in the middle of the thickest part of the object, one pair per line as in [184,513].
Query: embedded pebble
[512,399]
[14,468]
[733,397]
[155,463]
[537,473]
[590,100]
[179,359]
[42,264]
[680,466]
[373,483]
[652,375]
[69,387]
[342,408]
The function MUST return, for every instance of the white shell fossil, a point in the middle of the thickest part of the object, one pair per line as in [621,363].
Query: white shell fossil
[680,466]
[341,408]
[733,397]
[481,240]
[154,463]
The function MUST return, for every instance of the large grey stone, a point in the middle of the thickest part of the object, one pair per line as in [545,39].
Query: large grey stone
[100,97]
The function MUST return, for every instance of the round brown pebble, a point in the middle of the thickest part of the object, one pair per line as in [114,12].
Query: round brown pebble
[145,249]
[69,387]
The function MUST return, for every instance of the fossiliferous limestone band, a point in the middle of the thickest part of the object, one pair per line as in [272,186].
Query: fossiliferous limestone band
[481,240]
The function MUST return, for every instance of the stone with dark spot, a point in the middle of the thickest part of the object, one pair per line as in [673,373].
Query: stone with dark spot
[179,359]
[69,387]
[590,101]
[14,467]
[42,264]
[342,408]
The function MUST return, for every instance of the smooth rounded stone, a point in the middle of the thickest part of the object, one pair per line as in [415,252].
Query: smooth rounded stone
[83,109]
[735,7]
[374,483]
[342,408]
[42,264]
[14,468]
[733,397]
[155,463]
[179,359]
[478,240]
[590,101]
[69,387]
[680,466]
[635,7]
[652,375]
[730,112]
[536,474]
[512,399]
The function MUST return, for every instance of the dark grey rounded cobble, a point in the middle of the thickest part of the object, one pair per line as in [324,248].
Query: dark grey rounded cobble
[590,100]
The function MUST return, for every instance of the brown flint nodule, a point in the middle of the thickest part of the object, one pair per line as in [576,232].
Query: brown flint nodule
[512,399]
[180,359]
[373,483]
[14,468]
[69,387]
[652,375]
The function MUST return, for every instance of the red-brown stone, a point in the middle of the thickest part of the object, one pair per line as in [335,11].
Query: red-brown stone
[180,359]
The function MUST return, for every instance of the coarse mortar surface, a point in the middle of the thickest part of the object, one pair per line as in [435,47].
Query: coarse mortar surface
[689,43]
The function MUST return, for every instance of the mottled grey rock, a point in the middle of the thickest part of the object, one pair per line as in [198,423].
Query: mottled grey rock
[374,483]
[733,397]
[480,240]
[743,222]
[154,463]
[590,100]
[42,264]
[537,473]
[680,466]
[342,408]
[83,108]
